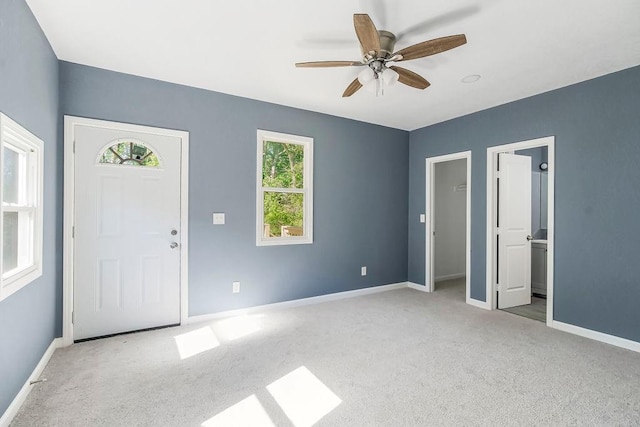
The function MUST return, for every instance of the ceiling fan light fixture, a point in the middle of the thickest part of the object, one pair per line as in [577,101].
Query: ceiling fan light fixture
[390,77]
[365,76]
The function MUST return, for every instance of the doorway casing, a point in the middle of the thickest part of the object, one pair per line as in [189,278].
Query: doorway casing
[492,191]
[70,123]
[429,276]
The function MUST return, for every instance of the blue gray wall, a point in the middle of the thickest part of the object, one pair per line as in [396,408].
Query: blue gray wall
[360,189]
[597,275]
[30,318]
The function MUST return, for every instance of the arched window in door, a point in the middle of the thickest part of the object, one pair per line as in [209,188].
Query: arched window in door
[128,152]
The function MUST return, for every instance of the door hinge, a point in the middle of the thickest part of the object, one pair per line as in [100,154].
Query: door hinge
[498,174]
[74,147]
[73,232]
[73,317]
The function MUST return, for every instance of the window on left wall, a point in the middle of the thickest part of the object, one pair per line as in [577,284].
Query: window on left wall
[21,160]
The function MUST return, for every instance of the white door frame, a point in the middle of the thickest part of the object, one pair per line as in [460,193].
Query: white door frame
[70,123]
[492,155]
[429,199]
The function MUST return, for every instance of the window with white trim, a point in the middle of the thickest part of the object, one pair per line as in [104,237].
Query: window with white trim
[284,204]
[21,181]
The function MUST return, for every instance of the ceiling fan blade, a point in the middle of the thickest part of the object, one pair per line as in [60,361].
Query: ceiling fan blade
[431,47]
[352,88]
[366,32]
[410,78]
[317,64]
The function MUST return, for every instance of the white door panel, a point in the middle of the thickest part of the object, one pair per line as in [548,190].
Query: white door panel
[126,275]
[514,248]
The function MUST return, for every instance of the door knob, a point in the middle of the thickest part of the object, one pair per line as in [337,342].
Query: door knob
[529,237]
[173,245]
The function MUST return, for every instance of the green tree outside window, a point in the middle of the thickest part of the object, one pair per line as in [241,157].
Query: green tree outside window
[282,170]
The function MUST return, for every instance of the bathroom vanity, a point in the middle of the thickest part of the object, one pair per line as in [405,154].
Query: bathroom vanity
[539,267]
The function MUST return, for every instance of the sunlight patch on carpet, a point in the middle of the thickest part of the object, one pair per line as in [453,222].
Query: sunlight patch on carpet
[303,397]
[237,327]
[248,412]
[195,342]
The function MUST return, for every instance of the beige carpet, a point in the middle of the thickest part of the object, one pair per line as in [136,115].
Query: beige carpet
[453,289]
[397,358]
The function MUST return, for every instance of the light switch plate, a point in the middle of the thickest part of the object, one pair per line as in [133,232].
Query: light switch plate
[423,218]
[218,218]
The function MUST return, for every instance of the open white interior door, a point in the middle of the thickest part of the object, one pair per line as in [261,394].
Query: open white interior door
[514,230]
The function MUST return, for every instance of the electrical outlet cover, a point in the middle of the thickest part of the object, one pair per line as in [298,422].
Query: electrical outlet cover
[218,218]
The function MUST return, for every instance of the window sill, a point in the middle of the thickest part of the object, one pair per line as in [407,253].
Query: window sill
[18,279]
[275,241]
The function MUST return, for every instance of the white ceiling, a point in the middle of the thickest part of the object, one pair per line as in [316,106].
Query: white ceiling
[248,48]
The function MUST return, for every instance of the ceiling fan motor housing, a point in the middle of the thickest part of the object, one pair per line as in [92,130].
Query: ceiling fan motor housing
[387,44]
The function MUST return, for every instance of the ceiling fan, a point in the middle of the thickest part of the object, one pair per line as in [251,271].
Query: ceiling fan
[378,52]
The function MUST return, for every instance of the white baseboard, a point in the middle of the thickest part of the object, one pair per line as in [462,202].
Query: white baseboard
[14,407]
[417,287]
[598,336]
[296,303]
[449,277]
[477,303]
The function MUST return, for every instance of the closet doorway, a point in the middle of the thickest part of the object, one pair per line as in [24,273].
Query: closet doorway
[448,233]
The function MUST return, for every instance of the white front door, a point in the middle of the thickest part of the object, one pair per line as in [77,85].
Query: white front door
[514,225]
[127,229]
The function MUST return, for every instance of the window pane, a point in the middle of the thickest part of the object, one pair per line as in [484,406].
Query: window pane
[283,214]
[21,220]
[11,176]
[282,165]
[10,241]
[109,157]
[123,149]
[129,153]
